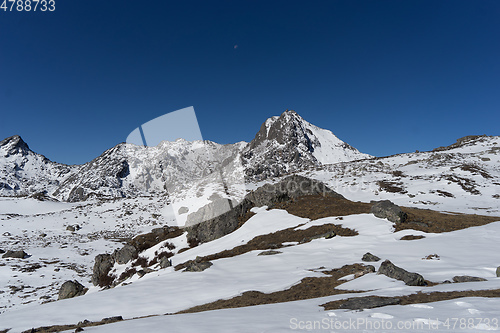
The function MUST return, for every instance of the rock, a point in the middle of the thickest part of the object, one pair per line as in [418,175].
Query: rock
[2,251]
[165,262]
[15,254]
[183,210]
[370,257]
[112,319]
[368,302]
[144,271]
[70,228]
[269,252]
[70,289]
[79,329]
[387,268]
[366,270]
[385,209]
[197,265]
[498,271]
[125,254]
[102,266]
[466,278]
[289,188]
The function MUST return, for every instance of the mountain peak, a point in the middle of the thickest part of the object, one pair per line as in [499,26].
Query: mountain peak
[13,145]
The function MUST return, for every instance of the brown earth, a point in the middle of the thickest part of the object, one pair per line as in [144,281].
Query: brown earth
[310,287]
[422,297]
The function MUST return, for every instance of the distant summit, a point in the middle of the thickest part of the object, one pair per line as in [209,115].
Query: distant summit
[14,145]
[288,143]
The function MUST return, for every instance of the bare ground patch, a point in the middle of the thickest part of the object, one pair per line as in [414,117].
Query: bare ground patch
[276,239]
[420,297]
[310,287]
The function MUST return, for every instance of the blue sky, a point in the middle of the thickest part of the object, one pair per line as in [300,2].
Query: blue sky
[385,76]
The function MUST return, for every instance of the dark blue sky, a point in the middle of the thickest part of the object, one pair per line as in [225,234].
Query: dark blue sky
[384,76]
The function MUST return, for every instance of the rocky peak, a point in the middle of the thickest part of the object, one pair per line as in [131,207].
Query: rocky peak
[14,145]
[289,128]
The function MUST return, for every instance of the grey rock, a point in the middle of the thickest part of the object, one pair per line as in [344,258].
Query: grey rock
[369,302]
[165,262]
[2,251]
[370,257]
[71,289]
[269,252]
[498,271]
[125,254]
[366,270]
[15,254]
[183,210]
[387,268]
[466,278]
[102,266]
[197,265]
[70,228]
[112,319]
[289,188]
[385,209]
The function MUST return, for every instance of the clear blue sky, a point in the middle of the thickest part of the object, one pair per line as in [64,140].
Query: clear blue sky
[384,76]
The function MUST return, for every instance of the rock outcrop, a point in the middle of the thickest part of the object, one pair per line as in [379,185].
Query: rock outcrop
[385,209]
[387,268]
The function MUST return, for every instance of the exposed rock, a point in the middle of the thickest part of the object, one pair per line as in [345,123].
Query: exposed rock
[387,268]
[70,228]
[165,262]
[466,278]
[269,252]
[498,271]
[288,189]
[125,254]
[370,257]
[2,251]
[365,270]
[15,254]
[112,319]
[103,264]
[183,210]
[144,271]
[71,289]
[197,265]
[385,209]
[368,302]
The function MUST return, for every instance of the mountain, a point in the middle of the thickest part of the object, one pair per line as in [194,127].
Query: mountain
[283,145]
[288,143]
[23,172]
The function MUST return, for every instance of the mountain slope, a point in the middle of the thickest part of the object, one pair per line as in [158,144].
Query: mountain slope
[283,145]
[289,143]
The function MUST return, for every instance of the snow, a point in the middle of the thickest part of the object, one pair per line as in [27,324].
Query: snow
[169,291]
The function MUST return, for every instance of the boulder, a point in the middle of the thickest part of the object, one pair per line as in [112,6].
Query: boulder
[197,265]
[15,254]
[368,302]
[365,270]
[125,254]
[385,209]
[387,268]
[102,266]
[498,271]
[71,289]
[370,257]
[269,252]
[70,228]
[466,278]
[165,262]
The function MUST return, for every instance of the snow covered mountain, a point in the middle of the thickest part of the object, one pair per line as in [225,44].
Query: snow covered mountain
[283,145]
[23,172]
[289,267]
[288,143]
